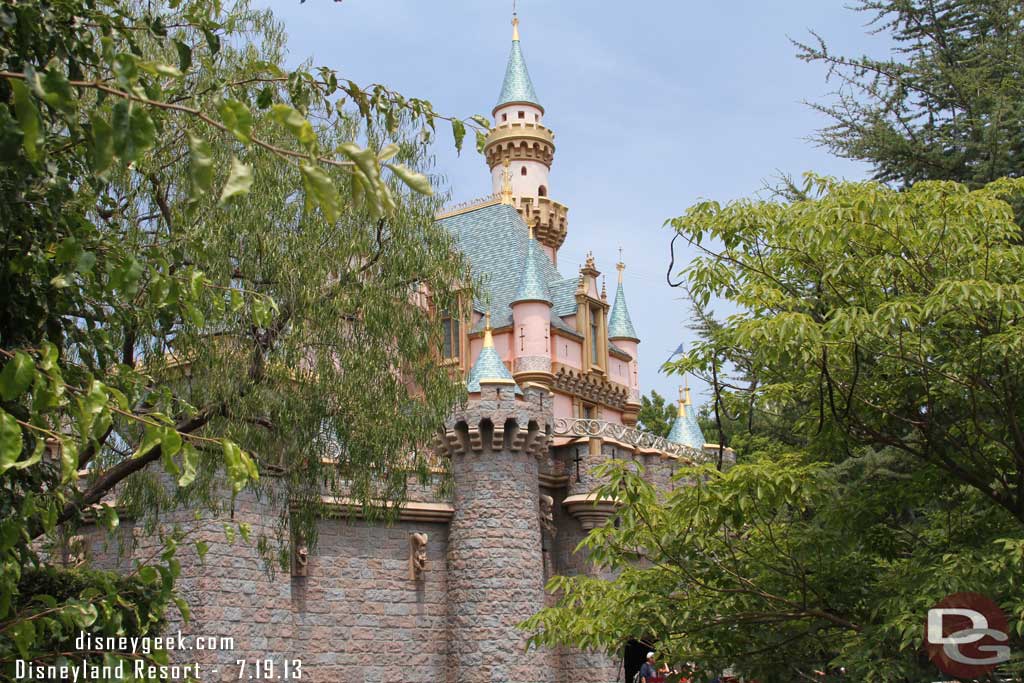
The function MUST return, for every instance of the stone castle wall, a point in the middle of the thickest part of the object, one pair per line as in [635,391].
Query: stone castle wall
[358,617]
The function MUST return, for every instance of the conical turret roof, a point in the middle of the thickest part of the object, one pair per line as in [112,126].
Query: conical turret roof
[488,367]
[686,430]
[532,286]
[517,86]
[620,326]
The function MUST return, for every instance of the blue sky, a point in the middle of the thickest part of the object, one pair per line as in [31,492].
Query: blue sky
[655,105]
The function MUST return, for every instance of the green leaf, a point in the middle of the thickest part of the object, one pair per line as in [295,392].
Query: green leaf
[296,123]
[238,183]
[459,133]
[200,165]
[11,443]
[68,461]
[183,609]
[28,120]
[133,131]
[17,376]
[417,182]
[236,469]
[54,89]
[189,459]
[184,55]
[320,188]
[149,574]
[23,633]
[265,98]
[151,437]
[237,118]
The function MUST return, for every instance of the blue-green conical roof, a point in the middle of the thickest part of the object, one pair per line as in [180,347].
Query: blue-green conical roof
[517,86]
[531,284]
[686,431]
[488,366]
[619,324]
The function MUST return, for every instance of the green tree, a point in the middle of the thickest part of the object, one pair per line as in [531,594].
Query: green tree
[212,266]
[883,330]
[947,105]
[656,416]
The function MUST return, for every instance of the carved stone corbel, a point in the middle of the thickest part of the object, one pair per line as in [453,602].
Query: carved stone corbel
[300,557]
[547,515]
[417,555]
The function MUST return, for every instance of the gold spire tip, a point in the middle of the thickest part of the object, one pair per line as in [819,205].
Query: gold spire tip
[515,27]
[681,412]
[488,337]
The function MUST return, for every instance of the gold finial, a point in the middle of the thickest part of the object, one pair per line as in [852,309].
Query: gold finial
[530,229]
[506,183]
[488,337]
[681,412]
[515,27]
[604,287]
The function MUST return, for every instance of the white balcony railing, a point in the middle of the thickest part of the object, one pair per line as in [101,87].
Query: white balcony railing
[630,436]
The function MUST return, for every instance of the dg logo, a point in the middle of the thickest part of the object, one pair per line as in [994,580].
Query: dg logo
[966,634]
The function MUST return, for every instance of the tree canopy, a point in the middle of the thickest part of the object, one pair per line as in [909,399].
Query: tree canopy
[213,267]
[946,104]
[882,330]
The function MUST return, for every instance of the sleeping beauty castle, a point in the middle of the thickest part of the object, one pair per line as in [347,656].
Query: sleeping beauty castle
[551,370]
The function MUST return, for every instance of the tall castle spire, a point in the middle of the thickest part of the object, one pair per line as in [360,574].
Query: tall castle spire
[620,325]
[517,86]
[519,144]
[686,430]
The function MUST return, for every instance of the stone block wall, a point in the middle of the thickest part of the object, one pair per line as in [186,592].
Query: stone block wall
[359,617]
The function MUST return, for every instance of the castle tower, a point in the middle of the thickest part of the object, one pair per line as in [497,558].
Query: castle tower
[519,151]
[623,335]
[531,318]
[686,430]
[495,565]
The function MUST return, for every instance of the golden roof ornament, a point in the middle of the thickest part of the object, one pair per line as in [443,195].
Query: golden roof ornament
[620,266]
[604,288]
[681,412]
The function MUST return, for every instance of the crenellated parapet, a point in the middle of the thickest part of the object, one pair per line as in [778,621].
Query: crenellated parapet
[519,141]
[499,421]
[549,219]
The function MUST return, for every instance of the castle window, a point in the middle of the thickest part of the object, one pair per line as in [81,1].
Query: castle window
[522,114]
[450,338]
[595,327]
[542,191]
[504,117]
[536,117]
[522,171]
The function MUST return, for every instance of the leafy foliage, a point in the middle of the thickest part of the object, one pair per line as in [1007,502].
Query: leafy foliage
[872,381]
[655,415]
[945,106]
[781,567]
[213,268]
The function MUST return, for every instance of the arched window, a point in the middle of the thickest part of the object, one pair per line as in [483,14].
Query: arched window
[542,191]
[522,171]
[504,117]
[522,114]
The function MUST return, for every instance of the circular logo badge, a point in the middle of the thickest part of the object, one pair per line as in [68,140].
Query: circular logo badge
[966,635]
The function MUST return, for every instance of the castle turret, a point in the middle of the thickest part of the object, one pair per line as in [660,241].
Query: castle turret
[520,149]
[686,430]
[623,335]
[495,568]
[531,318]
[489,368]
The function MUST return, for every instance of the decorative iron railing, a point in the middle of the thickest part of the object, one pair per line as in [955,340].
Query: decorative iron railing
[565,426]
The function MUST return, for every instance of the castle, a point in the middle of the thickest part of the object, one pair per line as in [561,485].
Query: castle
[552,376]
